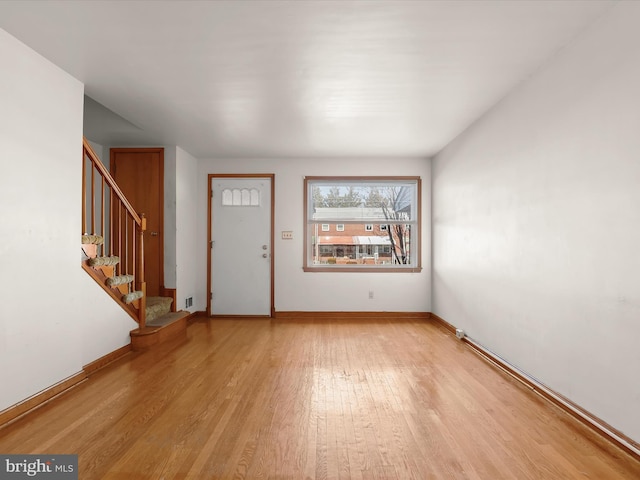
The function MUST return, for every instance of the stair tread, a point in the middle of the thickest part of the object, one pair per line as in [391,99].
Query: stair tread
[167,318]
[132,296]
[119,280]
[104,261]
[92,239]
[157,307]
[152,301]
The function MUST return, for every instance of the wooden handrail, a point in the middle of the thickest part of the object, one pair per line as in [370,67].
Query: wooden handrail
[120,226]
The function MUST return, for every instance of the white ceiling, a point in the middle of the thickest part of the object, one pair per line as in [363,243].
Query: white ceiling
[295,78]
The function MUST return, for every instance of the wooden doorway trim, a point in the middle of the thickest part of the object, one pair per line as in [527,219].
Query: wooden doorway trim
[272,178]
[161,232]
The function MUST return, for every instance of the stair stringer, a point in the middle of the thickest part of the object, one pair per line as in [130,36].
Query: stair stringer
[132,309]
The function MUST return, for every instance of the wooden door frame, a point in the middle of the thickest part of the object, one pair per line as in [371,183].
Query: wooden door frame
[210,177]
[160,151]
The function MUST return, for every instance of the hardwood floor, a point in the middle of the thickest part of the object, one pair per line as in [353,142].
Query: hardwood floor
[252,398]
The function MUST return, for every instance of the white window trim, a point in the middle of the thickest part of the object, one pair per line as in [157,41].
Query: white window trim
[414,253]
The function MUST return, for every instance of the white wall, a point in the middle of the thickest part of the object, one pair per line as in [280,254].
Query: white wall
[49,327]
[536,224]
[296,290]
[189,252]
[102,152]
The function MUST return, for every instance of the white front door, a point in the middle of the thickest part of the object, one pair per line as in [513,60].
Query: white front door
[241,246]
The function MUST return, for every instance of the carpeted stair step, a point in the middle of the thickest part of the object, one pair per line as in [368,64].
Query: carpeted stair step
[132,296]
[157,307]
[90,245]
[119,280]
[104,261]
[92,239]
[167,318]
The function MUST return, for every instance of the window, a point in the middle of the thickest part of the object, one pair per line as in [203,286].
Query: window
[240,197]
[376,219]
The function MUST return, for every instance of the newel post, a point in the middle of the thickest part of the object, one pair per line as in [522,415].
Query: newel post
[142,285]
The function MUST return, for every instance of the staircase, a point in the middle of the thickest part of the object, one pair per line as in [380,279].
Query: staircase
[113,255]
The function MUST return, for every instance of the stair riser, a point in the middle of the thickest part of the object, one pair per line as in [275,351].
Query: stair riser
[141,341]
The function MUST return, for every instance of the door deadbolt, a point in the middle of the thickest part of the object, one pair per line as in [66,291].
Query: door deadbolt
[264,247]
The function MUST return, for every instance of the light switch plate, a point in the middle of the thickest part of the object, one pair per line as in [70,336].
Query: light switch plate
[287,235]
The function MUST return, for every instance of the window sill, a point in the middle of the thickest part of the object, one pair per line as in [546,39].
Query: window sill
[351,268]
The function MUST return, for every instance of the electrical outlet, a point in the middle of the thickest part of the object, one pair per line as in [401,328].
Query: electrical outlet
[287,235]
[370,294]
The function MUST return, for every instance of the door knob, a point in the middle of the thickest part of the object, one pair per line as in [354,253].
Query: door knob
[264,255]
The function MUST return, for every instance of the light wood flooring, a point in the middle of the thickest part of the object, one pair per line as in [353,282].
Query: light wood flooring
[259,398]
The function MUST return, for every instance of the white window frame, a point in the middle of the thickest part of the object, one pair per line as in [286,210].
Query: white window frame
[325,227]
[340,227]
[409,223]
